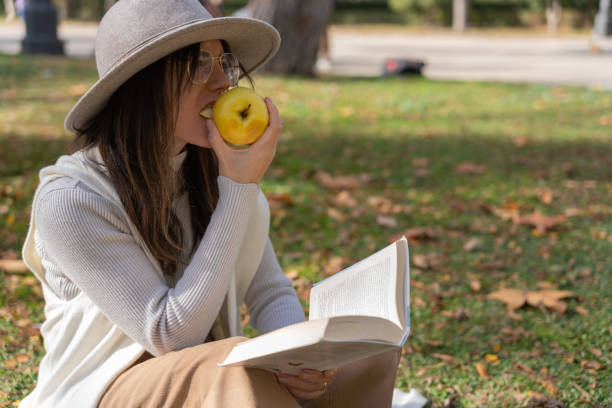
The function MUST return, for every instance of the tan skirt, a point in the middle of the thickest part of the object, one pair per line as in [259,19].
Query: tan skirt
[191,378]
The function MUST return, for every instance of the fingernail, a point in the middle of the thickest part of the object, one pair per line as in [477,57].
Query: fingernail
[282,379]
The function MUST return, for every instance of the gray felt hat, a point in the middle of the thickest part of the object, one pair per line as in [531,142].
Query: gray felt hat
[135,33]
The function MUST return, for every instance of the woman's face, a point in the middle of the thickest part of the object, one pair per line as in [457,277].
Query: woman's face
[190,126]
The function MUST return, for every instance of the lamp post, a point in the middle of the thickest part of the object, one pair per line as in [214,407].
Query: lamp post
[41,29]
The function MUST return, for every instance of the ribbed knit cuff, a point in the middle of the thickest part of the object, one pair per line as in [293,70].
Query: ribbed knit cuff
[232,191]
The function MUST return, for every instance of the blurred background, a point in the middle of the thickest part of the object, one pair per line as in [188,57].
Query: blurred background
[479,129]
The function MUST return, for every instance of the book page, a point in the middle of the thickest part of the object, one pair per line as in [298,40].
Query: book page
[320,356]
[366,288]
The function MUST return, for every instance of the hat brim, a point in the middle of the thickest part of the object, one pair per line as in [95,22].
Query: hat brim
[254,42]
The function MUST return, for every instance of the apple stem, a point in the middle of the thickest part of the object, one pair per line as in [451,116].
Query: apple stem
[245,112]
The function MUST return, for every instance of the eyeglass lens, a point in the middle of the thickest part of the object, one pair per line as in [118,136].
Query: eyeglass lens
[229,65]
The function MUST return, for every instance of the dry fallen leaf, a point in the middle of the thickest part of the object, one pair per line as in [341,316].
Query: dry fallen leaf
[550,387]
[13,266]
[582,310]
[292,274]
[594,365]
[482,370]
[427,261]
[334,265]
[469,168]
[335,214]
[540,222]
[279,200]
[443,357]
[472,244]
[344,199]
[549,298]
[386,221]
[349,182]
[302,287]
[596,352]
[515,298]
[521,141]
[475,285]
[492,358]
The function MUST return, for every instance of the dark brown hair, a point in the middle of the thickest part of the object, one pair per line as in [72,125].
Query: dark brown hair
[134,134]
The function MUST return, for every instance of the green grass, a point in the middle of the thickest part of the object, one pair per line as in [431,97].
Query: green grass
[409,135]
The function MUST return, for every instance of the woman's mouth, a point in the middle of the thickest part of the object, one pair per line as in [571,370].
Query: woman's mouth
[207,111]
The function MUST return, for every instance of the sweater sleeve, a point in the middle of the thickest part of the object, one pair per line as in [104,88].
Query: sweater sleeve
[86,237]
[271,300]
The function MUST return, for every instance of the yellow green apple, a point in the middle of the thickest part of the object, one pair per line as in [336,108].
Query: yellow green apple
[240,115]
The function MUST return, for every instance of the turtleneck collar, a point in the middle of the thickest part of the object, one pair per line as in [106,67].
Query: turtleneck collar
[177,161]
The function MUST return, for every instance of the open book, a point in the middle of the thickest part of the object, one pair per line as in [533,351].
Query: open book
[359,312]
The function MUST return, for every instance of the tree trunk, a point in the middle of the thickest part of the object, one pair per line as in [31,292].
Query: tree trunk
[553,15]
[300,23]
[602,19]
[460,14]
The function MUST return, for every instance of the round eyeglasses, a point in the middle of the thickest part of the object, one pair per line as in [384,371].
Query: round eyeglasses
[206,64]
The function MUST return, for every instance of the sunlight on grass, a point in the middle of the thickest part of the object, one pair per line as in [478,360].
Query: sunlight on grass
[466,161]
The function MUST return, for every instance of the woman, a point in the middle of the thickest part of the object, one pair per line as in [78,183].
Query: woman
[150,238]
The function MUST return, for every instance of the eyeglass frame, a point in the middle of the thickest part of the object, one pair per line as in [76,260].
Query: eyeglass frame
[214,58]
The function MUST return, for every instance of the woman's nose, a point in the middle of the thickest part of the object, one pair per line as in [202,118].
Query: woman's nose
[218,80]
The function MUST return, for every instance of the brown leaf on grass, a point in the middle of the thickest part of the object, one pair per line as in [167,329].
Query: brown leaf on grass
[551,388]
[415,236]
[13,266]
[334,265]
[427,261]
[515,298]
[9,254]
[546,196]
[521,141]
[549,298]
[492,358]
[504,213]
[482,370]
[582,310]
[546,285]
[420,162]
[542,401]
[380,204]
[277,200]
[302,287]
[292,274]
[386,221]
[590,364]
[469,168]
[344,199]
[10,364]
[472,244]
[524,367]
[540,222]
[443,357]
[475,285]
[596,352]
[335,214]
[349,182]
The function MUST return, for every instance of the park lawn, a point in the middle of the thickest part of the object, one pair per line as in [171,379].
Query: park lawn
[496,186]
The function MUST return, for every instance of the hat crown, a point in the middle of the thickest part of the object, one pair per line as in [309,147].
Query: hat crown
[130,23]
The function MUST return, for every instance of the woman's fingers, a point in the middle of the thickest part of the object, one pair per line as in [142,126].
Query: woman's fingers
[301,384]
[275,125]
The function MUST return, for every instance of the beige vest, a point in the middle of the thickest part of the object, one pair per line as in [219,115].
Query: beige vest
[85,351]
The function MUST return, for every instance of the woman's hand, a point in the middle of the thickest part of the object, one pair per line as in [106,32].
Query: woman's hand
[247,165]
[309,384]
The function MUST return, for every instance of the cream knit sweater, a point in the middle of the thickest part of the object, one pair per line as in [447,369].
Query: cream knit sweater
[100,282]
